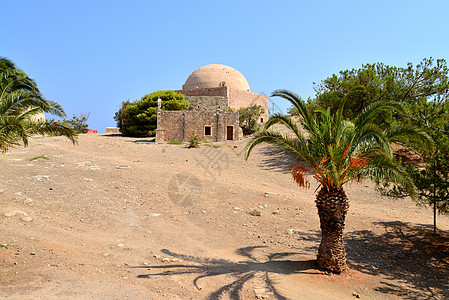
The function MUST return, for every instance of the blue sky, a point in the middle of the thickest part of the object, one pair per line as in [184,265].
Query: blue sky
[90,55]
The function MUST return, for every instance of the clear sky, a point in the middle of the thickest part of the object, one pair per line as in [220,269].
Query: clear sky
[90,55]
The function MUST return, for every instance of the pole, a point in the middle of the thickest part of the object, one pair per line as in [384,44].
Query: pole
[434,195]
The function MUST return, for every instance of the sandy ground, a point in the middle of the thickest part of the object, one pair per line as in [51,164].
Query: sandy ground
[116,218]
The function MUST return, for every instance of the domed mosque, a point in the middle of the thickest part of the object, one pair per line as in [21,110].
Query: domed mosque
[215,93]
[212,76]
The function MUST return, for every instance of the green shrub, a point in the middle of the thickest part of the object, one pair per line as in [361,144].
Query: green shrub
[255,213]
[139,118]
[248,117]
[193,142]
[42,157]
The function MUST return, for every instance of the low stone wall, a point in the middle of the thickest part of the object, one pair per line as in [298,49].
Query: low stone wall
[112,130]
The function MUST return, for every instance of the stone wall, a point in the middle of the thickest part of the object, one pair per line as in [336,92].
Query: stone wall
[241,99]
[182,125]
[236,98]
[216,91]
[208,103]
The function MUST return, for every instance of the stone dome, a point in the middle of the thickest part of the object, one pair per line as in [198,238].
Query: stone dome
[211,76]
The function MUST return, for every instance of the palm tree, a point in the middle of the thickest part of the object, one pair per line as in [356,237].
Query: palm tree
[335,151]
[20,103]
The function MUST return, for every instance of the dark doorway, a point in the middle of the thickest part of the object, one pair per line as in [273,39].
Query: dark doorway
[207,130]
[230,133]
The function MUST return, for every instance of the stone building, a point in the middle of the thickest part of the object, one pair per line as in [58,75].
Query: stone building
[215,92]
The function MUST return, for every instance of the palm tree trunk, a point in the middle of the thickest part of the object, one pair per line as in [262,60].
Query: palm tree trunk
[332,206]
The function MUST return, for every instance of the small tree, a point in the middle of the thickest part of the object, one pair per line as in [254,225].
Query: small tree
[77,123]
[139,118]
[432,181]
[248,117]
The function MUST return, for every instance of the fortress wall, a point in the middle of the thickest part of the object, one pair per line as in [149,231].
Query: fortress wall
[169,126]
[182,125]
[240,99]
[216,91]
[207,103]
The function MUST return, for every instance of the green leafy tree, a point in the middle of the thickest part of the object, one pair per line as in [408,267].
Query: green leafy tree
[139,118]
[432,181]
[248,117]
[77,123]
[424,92]
[292,111]
[335,151]
[21,103]
[428,80]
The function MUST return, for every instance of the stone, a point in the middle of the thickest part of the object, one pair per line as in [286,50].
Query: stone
[15,212]
[27,200]
[27,219]
[259,293]
[41,177]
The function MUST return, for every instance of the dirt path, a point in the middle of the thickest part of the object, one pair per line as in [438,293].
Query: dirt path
[116,218]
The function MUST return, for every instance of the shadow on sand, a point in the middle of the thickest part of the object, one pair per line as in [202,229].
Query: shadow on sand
[414,262]
[143,141]
[411,261]
[273,159]
[243,271]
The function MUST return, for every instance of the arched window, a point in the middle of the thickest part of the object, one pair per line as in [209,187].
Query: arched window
[223,84]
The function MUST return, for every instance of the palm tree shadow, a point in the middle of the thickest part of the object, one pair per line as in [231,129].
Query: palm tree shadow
[274,159]
[414,262]
[243,271]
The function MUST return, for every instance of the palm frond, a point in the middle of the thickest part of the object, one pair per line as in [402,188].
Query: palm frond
[386,169]
[20,100]
[287,122]
[410,135]
[373,110]
[305,115]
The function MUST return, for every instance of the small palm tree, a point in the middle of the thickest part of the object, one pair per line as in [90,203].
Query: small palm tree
[336,151]
[20,103]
